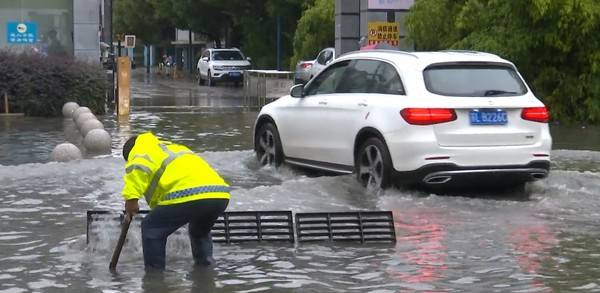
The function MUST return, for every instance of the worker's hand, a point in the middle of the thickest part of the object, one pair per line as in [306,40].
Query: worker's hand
[132,207]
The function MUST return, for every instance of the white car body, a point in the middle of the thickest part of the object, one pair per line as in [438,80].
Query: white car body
[326,131]
[211,68]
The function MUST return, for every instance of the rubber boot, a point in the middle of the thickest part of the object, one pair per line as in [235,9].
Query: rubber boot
[202,250]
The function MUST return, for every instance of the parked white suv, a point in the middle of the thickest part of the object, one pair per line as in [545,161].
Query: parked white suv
[422,118]
[222,65]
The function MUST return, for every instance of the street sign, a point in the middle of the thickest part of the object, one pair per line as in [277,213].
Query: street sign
[21,32]
[381,31]
[129,41]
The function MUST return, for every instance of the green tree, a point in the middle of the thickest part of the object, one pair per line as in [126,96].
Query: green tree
[201,16]
[250,24]
[315,30]
[141,18]
[553,42]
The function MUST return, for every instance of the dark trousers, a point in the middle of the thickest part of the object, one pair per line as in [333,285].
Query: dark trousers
[162,221]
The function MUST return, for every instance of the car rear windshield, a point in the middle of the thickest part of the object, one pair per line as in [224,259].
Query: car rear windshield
[227,55]
[473,80]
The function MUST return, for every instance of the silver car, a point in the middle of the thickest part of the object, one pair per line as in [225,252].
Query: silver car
[323,58]
[303,70]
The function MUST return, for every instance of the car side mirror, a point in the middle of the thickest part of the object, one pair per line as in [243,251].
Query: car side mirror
[249,59]
[297,91]
[205,59]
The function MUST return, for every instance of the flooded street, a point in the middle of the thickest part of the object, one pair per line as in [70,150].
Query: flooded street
[461,243]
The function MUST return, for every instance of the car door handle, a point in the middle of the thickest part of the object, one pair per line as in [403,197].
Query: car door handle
[322,102]
[361,104]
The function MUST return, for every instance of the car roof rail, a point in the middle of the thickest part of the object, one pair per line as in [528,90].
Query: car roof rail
[382,50]
[467,51]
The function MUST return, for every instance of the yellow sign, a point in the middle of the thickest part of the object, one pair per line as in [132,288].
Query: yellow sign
[381,31]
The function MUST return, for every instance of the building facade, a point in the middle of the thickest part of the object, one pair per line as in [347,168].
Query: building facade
[56,27]
[370,22]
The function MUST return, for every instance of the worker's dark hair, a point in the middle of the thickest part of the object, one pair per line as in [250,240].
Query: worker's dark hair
[128,146]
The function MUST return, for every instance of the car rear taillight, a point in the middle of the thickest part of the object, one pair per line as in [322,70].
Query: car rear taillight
[537,114]
[427,116]
[305,65]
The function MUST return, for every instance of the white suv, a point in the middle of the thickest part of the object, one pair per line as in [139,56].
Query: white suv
[222,65]
[423,118]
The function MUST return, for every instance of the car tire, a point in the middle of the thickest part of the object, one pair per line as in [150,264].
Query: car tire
[209,79]
[267,146]
[373,164]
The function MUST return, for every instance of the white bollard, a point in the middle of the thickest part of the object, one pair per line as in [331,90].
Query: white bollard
[89,125]
[97,141]
[65,152]
[83,117]
[68,108]
[79,111]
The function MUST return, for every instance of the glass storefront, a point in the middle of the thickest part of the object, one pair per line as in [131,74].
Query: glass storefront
[45,26]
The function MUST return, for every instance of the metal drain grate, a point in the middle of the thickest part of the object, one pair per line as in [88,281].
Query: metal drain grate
[254,226]
[278,226]
[346,226]
[230,227]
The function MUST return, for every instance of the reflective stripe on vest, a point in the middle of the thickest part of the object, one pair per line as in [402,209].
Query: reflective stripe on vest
[171,156]
[142,168]
[144,156]
[196,190]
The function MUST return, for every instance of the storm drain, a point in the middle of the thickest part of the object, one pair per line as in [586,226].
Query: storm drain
[229,227]
[346,226]
[254,226]
[278,226]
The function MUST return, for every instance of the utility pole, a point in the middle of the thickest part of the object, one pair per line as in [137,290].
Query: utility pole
[278,42]
[189,61]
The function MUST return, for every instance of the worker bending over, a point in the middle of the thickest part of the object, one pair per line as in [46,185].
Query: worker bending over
[180,188]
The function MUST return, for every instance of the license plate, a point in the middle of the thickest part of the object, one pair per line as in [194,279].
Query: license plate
[488,117]
[234,74]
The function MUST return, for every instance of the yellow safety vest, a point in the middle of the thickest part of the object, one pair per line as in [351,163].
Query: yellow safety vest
[166,173]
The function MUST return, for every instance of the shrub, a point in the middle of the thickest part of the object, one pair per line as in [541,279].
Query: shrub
[39,85]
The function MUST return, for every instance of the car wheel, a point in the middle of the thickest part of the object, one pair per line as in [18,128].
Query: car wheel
[209,79]
[268,146]
[373,164]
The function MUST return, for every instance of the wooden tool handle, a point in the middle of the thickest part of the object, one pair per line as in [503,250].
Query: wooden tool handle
[119,247]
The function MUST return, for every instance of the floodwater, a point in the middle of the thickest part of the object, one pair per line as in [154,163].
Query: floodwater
[473,243]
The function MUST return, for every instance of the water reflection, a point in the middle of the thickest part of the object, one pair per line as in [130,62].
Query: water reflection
[203,280]
[421,244]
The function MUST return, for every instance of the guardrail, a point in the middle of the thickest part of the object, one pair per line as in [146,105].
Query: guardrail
[264,86]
